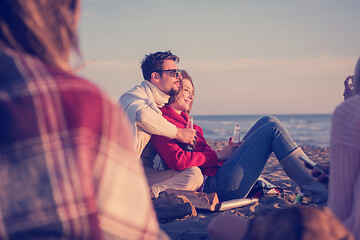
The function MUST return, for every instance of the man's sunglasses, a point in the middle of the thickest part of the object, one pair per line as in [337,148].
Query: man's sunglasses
[172,72]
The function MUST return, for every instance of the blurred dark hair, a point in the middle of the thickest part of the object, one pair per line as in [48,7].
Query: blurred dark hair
[46,29]
[297,223]
[154,61]
[172,98]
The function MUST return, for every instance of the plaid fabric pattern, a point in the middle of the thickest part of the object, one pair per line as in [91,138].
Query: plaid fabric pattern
[67,164]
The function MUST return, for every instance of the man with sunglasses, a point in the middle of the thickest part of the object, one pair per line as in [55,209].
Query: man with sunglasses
[142,105]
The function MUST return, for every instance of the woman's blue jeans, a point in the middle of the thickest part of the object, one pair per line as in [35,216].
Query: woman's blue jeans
[240,171]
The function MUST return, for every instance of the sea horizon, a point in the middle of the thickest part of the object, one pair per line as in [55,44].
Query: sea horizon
[305,129]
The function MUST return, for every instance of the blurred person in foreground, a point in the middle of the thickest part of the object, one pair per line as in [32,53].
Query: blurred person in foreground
[344,173]
[344,180]
[68,168]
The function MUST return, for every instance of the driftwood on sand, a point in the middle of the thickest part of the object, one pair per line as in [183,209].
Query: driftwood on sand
[171,206]
[200,200]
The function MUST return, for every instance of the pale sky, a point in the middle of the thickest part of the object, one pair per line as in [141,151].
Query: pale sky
[245,56]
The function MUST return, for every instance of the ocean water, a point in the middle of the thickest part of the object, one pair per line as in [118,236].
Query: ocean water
[309,129]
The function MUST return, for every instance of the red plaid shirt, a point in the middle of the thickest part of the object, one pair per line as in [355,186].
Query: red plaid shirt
[67,161]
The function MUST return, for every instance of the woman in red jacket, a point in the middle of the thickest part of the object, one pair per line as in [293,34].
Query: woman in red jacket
[232,171]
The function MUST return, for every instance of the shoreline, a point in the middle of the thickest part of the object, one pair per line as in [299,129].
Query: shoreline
[318,154]
[196,227]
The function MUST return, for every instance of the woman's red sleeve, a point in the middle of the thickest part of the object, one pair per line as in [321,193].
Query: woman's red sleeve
[173,154]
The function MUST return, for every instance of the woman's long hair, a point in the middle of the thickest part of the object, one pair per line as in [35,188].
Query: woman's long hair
[46,29]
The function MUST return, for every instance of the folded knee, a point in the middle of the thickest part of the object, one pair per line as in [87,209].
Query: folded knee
[194,170]
[195,178]
[270,119]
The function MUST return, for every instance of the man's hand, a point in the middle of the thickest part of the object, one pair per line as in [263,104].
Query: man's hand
[227,151]
[321,178]
[186,135]
[349,88]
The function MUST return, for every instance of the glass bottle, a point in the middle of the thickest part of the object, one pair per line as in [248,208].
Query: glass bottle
[236,134]
[190,124]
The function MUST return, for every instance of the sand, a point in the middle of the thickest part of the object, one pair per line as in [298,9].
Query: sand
[196,227]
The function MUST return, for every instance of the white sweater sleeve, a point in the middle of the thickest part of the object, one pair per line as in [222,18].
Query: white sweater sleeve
[144,113]
[154,123]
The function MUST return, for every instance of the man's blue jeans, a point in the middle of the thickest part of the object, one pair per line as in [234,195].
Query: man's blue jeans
[240,171]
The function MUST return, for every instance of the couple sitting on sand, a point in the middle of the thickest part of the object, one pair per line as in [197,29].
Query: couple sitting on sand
[159,111]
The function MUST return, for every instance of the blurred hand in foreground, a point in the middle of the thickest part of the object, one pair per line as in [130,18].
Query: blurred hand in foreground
[349,88]
[228,150]
[320,177]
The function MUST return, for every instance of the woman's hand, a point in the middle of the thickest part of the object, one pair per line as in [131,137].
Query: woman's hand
[226,152]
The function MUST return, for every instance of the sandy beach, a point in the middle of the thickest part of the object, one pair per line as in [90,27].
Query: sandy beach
[196,227]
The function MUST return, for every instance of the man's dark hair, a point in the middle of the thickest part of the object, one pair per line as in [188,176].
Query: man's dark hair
[154,61]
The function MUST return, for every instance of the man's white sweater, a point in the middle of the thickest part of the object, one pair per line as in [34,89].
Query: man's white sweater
[142,105]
